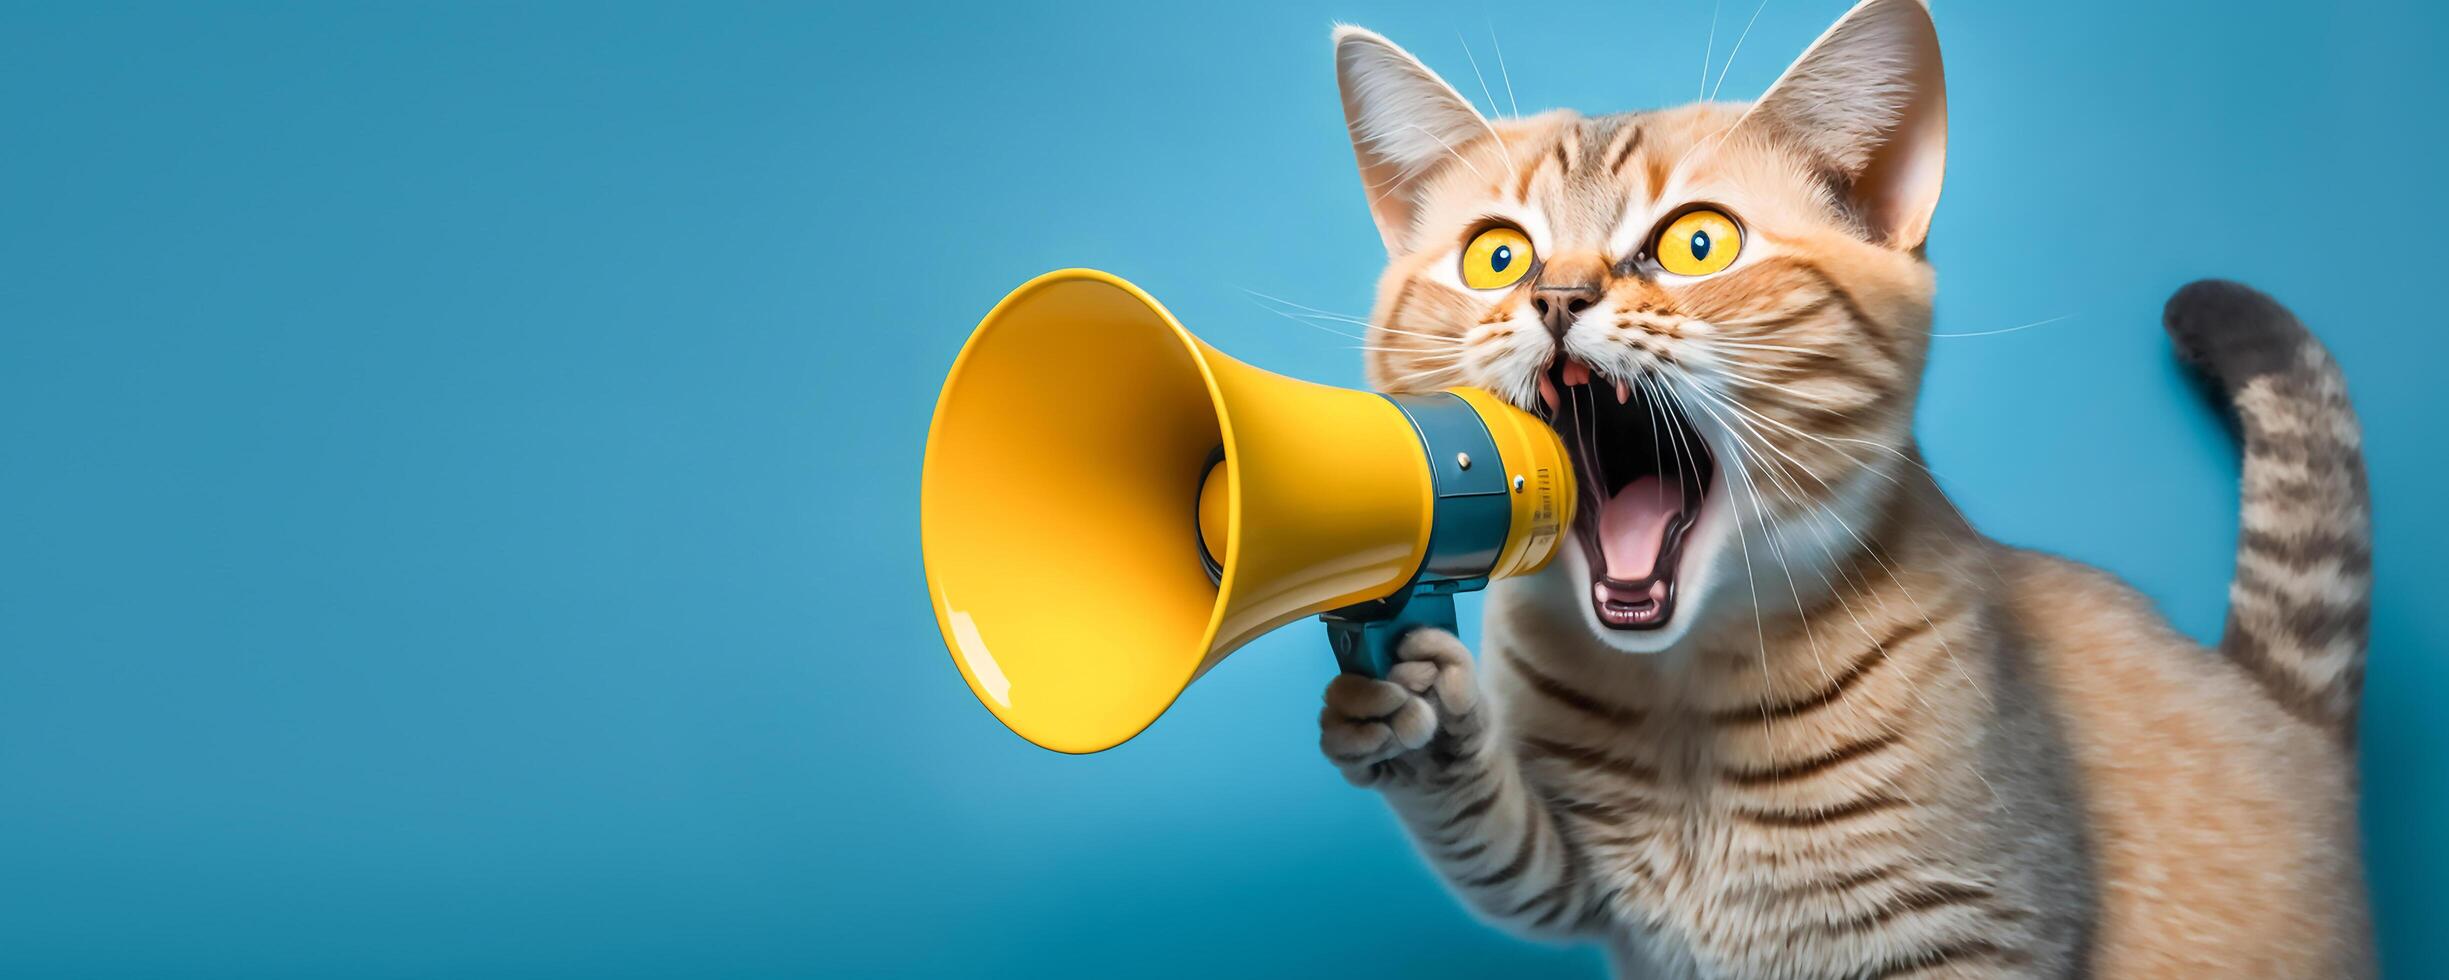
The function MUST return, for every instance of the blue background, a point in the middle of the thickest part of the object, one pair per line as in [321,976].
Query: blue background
[458,464]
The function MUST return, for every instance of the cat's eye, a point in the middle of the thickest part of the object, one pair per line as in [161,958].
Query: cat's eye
[1699,242]
[1496,258]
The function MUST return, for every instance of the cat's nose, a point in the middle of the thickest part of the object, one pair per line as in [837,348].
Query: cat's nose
[1560,304]
[1568,284]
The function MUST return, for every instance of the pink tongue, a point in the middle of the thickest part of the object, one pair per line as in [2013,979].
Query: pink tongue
[1633,526]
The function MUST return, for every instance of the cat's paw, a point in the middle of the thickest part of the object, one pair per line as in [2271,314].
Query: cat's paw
[1376,730]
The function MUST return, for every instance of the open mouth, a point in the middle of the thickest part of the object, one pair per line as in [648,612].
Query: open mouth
[1645,472]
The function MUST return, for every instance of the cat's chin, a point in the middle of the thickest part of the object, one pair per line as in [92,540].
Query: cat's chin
[1562,592]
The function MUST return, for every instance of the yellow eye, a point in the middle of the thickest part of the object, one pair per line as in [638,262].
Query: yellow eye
[1496,258]
[1699,243]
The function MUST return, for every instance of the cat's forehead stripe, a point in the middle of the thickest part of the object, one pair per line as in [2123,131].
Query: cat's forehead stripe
[1625,145]
[1579,176]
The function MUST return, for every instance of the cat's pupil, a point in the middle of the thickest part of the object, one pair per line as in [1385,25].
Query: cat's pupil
[1700,244]
[1504,257]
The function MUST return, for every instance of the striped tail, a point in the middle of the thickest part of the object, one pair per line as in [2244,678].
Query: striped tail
[2300,608]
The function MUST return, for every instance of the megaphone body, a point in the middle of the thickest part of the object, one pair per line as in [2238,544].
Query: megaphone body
[1110,506]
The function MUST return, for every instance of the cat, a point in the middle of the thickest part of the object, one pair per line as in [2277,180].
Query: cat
[1777,710]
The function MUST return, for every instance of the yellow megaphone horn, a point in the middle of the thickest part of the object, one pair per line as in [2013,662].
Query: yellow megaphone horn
[1110,506]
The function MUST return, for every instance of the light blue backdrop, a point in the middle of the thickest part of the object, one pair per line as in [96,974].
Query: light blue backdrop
[458,464]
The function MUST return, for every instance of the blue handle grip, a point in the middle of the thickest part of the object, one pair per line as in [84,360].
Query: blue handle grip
[1367,646]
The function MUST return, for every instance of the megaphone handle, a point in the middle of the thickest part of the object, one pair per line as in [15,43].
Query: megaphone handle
[1367,646]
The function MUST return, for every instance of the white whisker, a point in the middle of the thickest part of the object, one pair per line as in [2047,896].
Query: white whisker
[1747,345]
[1475,72]
[1395,181]
[1296,318]
[1315,313]
[1777,549]
[1334,318]
[1515,107]
[1994,333]
[1751,581]
[1860,590]
[1458,154]
[1736,50]
[1440,337]
[1408,377]
[1298,306]
[1893,575]
[1415,351]
[1708,51]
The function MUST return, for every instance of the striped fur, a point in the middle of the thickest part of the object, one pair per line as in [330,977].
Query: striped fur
[1875,743]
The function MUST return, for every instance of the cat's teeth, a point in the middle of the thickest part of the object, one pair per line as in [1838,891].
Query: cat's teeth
[1547,393]
[1624,391]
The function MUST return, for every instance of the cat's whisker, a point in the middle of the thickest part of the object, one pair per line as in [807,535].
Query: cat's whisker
[1749,415]
[1741,412]
[1751,580]
[1402,177]
[1301,306]
[1515,107]
[1742,471]
[1404,381]
[1305,319]
[1824,441]
[1708,142]
[1584,431]
[1649,401]
[1933,478]
[1804,508]
[1314,326]
[1475,72]
[1799,397]
[1428,367]
[1751,444]
[1495,140]
[1709,51]
[1771,533]
[1445,338]
[1329,317]
[1901,587]
[1458,154]
[1767,318]
[1737,49]
[2015,329]
[1422,352]
[1747,345]
[1687,462]
[1332,318]
[1397,331]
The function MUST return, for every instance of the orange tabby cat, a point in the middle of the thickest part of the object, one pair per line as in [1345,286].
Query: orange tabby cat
[1781,712]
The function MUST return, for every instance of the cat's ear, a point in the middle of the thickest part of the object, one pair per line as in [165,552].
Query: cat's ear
[1404,121]
[1869,100]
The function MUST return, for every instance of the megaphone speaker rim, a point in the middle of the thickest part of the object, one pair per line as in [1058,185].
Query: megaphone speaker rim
[971,663]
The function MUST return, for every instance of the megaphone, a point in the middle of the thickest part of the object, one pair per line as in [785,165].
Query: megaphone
[1110,506]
